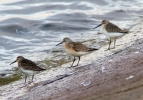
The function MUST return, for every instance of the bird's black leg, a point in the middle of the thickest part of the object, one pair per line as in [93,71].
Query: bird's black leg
[114,43]
[73,62]
[32,78]
[78,61]
[109,44]
[25,78]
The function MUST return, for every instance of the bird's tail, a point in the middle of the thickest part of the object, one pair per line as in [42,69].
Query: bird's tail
[39,69]
[126,31]
[43,69]
[92,49]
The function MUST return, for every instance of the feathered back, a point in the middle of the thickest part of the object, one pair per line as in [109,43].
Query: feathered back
[29,65]
[77,46]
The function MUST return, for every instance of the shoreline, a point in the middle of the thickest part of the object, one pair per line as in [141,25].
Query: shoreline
[98,72]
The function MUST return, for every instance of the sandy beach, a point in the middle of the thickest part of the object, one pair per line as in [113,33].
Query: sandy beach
[101,75]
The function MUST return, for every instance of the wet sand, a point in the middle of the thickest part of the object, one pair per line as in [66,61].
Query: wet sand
[102,75]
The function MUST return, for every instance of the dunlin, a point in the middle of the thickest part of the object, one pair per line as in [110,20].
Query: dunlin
[27,67]
[112,31]
[76,49]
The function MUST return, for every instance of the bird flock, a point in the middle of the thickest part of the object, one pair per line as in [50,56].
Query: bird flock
[75,49]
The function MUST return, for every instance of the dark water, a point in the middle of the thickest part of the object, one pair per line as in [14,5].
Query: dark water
[32,28]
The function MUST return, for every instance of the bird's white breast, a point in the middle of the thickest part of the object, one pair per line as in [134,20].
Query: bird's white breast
[112,34]
[28,72]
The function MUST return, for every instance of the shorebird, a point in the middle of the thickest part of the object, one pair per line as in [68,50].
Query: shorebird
[75,49]
[112,31]
[27,67]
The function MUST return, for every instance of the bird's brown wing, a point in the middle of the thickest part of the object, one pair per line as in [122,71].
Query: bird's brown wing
[29,65]
[112,28]
[77,46]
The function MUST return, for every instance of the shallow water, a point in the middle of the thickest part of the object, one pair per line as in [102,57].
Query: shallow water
[32,28]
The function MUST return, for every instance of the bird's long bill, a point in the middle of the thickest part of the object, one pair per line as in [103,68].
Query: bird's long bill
[59,43]
[13,62]
[97,26]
